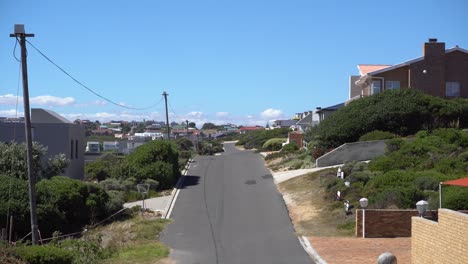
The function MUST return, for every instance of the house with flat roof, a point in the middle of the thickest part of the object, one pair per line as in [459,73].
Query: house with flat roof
[439,72]
[53,131]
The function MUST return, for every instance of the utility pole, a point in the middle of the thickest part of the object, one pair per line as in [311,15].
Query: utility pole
[167,118]
[20,33]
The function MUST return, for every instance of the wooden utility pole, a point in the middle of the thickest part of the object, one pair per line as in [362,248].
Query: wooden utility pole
[167,118]
[20,33]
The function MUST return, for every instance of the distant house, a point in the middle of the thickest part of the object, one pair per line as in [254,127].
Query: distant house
[305,121]
[288,123]
[53,131]
[327,111]
[439,72]
[110,145]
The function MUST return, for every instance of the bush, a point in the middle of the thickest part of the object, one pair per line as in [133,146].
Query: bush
[66,205]
[8,255]
[377,135]
[289,148]
[256,139]
[46,254]
[402,112]
[274,144]
[157,160]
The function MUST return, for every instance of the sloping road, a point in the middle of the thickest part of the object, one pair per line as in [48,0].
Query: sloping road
[229,211]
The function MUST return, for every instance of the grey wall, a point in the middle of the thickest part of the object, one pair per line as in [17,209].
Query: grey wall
[56,137]
[357,151]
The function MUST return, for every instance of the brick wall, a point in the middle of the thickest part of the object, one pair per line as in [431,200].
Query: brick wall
[386,223]
[445,241]
[296,137]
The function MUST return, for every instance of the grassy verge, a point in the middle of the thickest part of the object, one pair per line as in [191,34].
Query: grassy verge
[133,241]
[311,212]
[300,159]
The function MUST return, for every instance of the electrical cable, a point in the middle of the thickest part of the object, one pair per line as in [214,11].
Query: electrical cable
[14,137]
[86,87]
[14,49]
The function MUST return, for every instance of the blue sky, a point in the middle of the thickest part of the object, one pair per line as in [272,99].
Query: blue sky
[243,61]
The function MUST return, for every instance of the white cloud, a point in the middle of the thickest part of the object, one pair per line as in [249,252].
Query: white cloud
[52,100]
[10,113]
[222,114]
[100,102]
[271,113]
[195,114]
[9,99]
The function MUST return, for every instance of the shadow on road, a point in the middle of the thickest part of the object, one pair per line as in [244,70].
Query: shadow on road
[190,180]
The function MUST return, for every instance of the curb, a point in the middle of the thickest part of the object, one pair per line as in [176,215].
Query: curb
[310,250]
[175,191]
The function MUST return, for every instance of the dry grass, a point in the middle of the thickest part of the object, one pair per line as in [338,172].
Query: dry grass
[310,212]
[134,241]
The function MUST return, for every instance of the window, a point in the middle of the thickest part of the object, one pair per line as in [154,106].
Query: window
[392,85]
[76,149]
[452,89]
[71,149]
[376,87]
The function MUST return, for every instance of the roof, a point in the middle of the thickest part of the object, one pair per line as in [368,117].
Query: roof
[285,123]
[366,68]
[459,182]
[39,115]
[307,120]
[251,128]
[406,63]
[332,108]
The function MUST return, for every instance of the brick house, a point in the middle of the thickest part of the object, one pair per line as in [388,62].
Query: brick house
[439,72]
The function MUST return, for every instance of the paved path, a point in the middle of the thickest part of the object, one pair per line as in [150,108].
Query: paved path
[338,250]
[282,176]
[154,204]
[229,211]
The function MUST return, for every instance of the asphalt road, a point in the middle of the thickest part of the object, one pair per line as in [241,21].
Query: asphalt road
[229,211]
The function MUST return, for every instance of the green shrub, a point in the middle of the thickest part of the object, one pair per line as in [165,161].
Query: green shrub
[8,255]
[157,160]
[274,144]
[402,112]
[256,139]
[289,148]
[455,197]
[377,135]
[45,254]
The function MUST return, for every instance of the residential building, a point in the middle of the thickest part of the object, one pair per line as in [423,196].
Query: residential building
[53,131]
[327,111]
[439,72]
[288,123]
[305,120]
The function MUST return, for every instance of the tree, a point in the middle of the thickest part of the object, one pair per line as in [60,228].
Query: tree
[66,204]
[13,161]
[209,126]
[402,112]
[192,125]
[157,160]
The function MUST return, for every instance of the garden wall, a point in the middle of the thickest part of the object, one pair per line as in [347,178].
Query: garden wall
[357,151]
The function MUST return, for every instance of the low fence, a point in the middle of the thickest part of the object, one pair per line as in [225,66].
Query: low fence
[357,151]
[387,222]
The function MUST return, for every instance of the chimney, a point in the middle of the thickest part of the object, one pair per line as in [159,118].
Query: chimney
[432,49]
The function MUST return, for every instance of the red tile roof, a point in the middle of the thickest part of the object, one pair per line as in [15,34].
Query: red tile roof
[251,128]
[459,182]
[366,68]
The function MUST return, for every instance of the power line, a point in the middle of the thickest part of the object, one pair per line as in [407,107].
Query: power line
[86,87]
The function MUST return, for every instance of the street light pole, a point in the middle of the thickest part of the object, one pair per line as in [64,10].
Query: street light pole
[364,202]
[19,32]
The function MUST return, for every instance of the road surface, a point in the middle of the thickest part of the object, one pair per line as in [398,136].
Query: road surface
[229,211]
